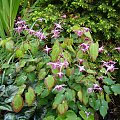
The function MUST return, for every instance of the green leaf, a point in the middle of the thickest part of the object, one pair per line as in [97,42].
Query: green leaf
[103,111]
[70,95]
[67,56]
[21,89]
[108,81]
[107,89]
[61,109]
[116,88]
[49,82]
[30,96]
[93,50]
[45,93]
[58,99]
[87,34]
[9,45]
[20,80]
[30,68]
[19,53]
[17,103]
[5,65]
[38,89]
[55,51]
[42,73]
[49,118]
[80,95]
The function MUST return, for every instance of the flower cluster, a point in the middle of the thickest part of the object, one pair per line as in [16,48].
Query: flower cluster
[59,65]
[21,26]
[56,31]
[82,31]
[110,66]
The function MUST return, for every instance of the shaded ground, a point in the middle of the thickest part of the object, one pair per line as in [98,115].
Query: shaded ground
[114,110]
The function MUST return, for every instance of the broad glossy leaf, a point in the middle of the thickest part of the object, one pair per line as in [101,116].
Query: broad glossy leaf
[116,88]
[55,51]
[49,82]
[17,103]
[93,50]
[30,96]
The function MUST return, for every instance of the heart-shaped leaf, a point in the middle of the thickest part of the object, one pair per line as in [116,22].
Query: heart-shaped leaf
[93,51]
[49,82]
[30,96]
[55,51]
[17,103]
[116,88]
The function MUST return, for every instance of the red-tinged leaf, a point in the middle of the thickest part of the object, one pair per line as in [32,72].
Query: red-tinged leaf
[49,82]
[17,103]
[30,96]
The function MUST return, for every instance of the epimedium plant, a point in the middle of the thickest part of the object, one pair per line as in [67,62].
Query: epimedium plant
[56,77]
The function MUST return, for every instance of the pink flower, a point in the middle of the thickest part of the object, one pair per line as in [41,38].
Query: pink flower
[101,49]
[97,87]
[47,49]
[64,16]
[81,68]
[59,87]
[90,90]
[57,26]
[60,74]
[78,32]
[40,35]
[84,47]
[56,33]
[117,48]
[111,68]
[80,61]
[86,29]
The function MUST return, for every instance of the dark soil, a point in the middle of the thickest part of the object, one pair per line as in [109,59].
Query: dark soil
[114,110]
